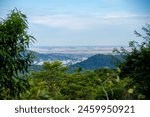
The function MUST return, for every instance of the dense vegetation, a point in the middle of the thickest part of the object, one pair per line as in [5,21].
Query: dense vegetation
[137,62]
[130,79]
[14,58]
[54,83]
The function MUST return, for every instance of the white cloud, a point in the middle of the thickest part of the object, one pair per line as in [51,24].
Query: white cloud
[82,22]
[120,15]
[62,21]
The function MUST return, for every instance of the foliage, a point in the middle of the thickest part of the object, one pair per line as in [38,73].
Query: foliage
[54,83]
[14,57]
[137,62]
[37,90]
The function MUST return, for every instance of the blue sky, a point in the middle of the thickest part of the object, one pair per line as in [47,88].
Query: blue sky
[82,22]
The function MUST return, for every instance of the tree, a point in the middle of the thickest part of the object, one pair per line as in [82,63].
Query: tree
[52,75]
[53,82]
[14,57]
[137,62]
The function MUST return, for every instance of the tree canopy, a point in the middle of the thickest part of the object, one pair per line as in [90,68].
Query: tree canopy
[14,57]
[137,62]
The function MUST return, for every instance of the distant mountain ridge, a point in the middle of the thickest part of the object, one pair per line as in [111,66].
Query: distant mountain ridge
[66,59]
[73,61]
[96,62]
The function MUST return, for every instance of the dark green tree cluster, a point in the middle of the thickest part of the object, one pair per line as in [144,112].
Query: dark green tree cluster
[14,57]
[137,62]
[54,83]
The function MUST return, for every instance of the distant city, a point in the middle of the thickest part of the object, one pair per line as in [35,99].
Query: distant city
[70,55]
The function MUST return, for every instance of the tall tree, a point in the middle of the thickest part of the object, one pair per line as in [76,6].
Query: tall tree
[14,57]
[137,62]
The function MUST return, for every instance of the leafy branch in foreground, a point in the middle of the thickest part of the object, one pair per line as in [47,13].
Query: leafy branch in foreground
[14,57]
[136,64]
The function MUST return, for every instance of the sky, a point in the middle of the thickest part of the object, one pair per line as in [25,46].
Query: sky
[82,22]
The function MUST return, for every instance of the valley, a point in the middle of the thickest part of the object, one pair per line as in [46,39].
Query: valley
[86,57]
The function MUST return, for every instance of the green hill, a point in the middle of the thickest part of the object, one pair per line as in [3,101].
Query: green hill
[96,62]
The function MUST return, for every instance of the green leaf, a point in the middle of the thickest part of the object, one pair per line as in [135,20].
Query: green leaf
[130,91]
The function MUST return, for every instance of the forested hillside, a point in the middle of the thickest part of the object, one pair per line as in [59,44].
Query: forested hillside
[76,61]
[97,61]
